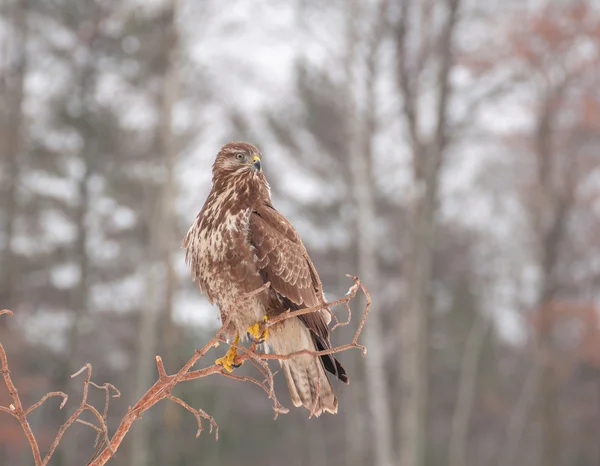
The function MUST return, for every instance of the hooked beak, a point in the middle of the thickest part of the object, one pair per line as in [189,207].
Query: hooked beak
[256,163]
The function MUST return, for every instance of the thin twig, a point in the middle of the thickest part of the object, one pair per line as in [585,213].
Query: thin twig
[84,406]
[199,414]
[107,387]
[323,306]
[89,424]
[64,396]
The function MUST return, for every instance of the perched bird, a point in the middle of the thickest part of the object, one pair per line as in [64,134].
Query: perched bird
[237,244]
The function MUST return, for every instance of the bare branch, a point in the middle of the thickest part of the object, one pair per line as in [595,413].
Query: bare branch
[163,387]
[107,387]
[447,62]
[65,397]
[16,409]
[89,424]
[161,367]
[199,414]
[278,407]
[8,411]
[84,406]
[408,78]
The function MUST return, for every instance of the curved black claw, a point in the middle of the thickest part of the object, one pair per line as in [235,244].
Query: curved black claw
[236,365]
[258,341]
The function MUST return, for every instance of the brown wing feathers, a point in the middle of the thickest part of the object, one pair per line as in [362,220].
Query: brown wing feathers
[283,261]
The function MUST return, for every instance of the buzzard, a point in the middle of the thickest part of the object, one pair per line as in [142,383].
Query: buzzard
[238,243]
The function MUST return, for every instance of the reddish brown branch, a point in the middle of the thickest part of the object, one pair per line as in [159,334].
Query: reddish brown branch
[107,387]
[324,306]
[163,387]
[8,411]
[277,407]
[199,414]
[64,396]
[84,406]
[89,424]
[16,409]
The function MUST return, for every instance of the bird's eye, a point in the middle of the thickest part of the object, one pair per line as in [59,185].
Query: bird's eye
[239,156]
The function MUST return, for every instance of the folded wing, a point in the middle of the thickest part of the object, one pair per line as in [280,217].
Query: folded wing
[283,261]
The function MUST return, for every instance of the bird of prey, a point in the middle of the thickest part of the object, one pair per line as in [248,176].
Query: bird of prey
[237,244]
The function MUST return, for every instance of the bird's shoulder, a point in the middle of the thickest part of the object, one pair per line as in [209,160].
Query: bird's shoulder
[267,218]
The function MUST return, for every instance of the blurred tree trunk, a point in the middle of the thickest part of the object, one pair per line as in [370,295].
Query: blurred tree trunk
[549,200]
[171,347]
[549,217]
[360,134]
[466,391]
[158,329]
[355,437]
[80,297]
[147,336]
[518,419]
[12,133]
[12,148]
[427,155]
[415,336]
[363,131]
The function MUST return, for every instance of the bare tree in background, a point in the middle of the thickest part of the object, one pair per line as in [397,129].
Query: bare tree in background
[85,75]
[161,278]
[321,95]
[12,84]
[549,219]
[459,436]
[361,130]
[561,161]
[171,236]
[553,200]
[421,45]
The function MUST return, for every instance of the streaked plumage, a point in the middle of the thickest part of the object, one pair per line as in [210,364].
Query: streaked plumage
[237,243]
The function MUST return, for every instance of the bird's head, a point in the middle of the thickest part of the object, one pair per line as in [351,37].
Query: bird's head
[237,159]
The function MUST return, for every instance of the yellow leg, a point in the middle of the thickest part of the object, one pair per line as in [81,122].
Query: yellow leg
[259,332]
[228,360]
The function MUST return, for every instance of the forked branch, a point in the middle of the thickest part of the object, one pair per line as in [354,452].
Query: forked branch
[162,388]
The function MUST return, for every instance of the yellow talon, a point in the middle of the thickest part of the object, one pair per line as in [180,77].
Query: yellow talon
[259,332]
[228,361]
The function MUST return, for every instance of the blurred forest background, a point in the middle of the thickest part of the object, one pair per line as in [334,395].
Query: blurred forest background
[447,151]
